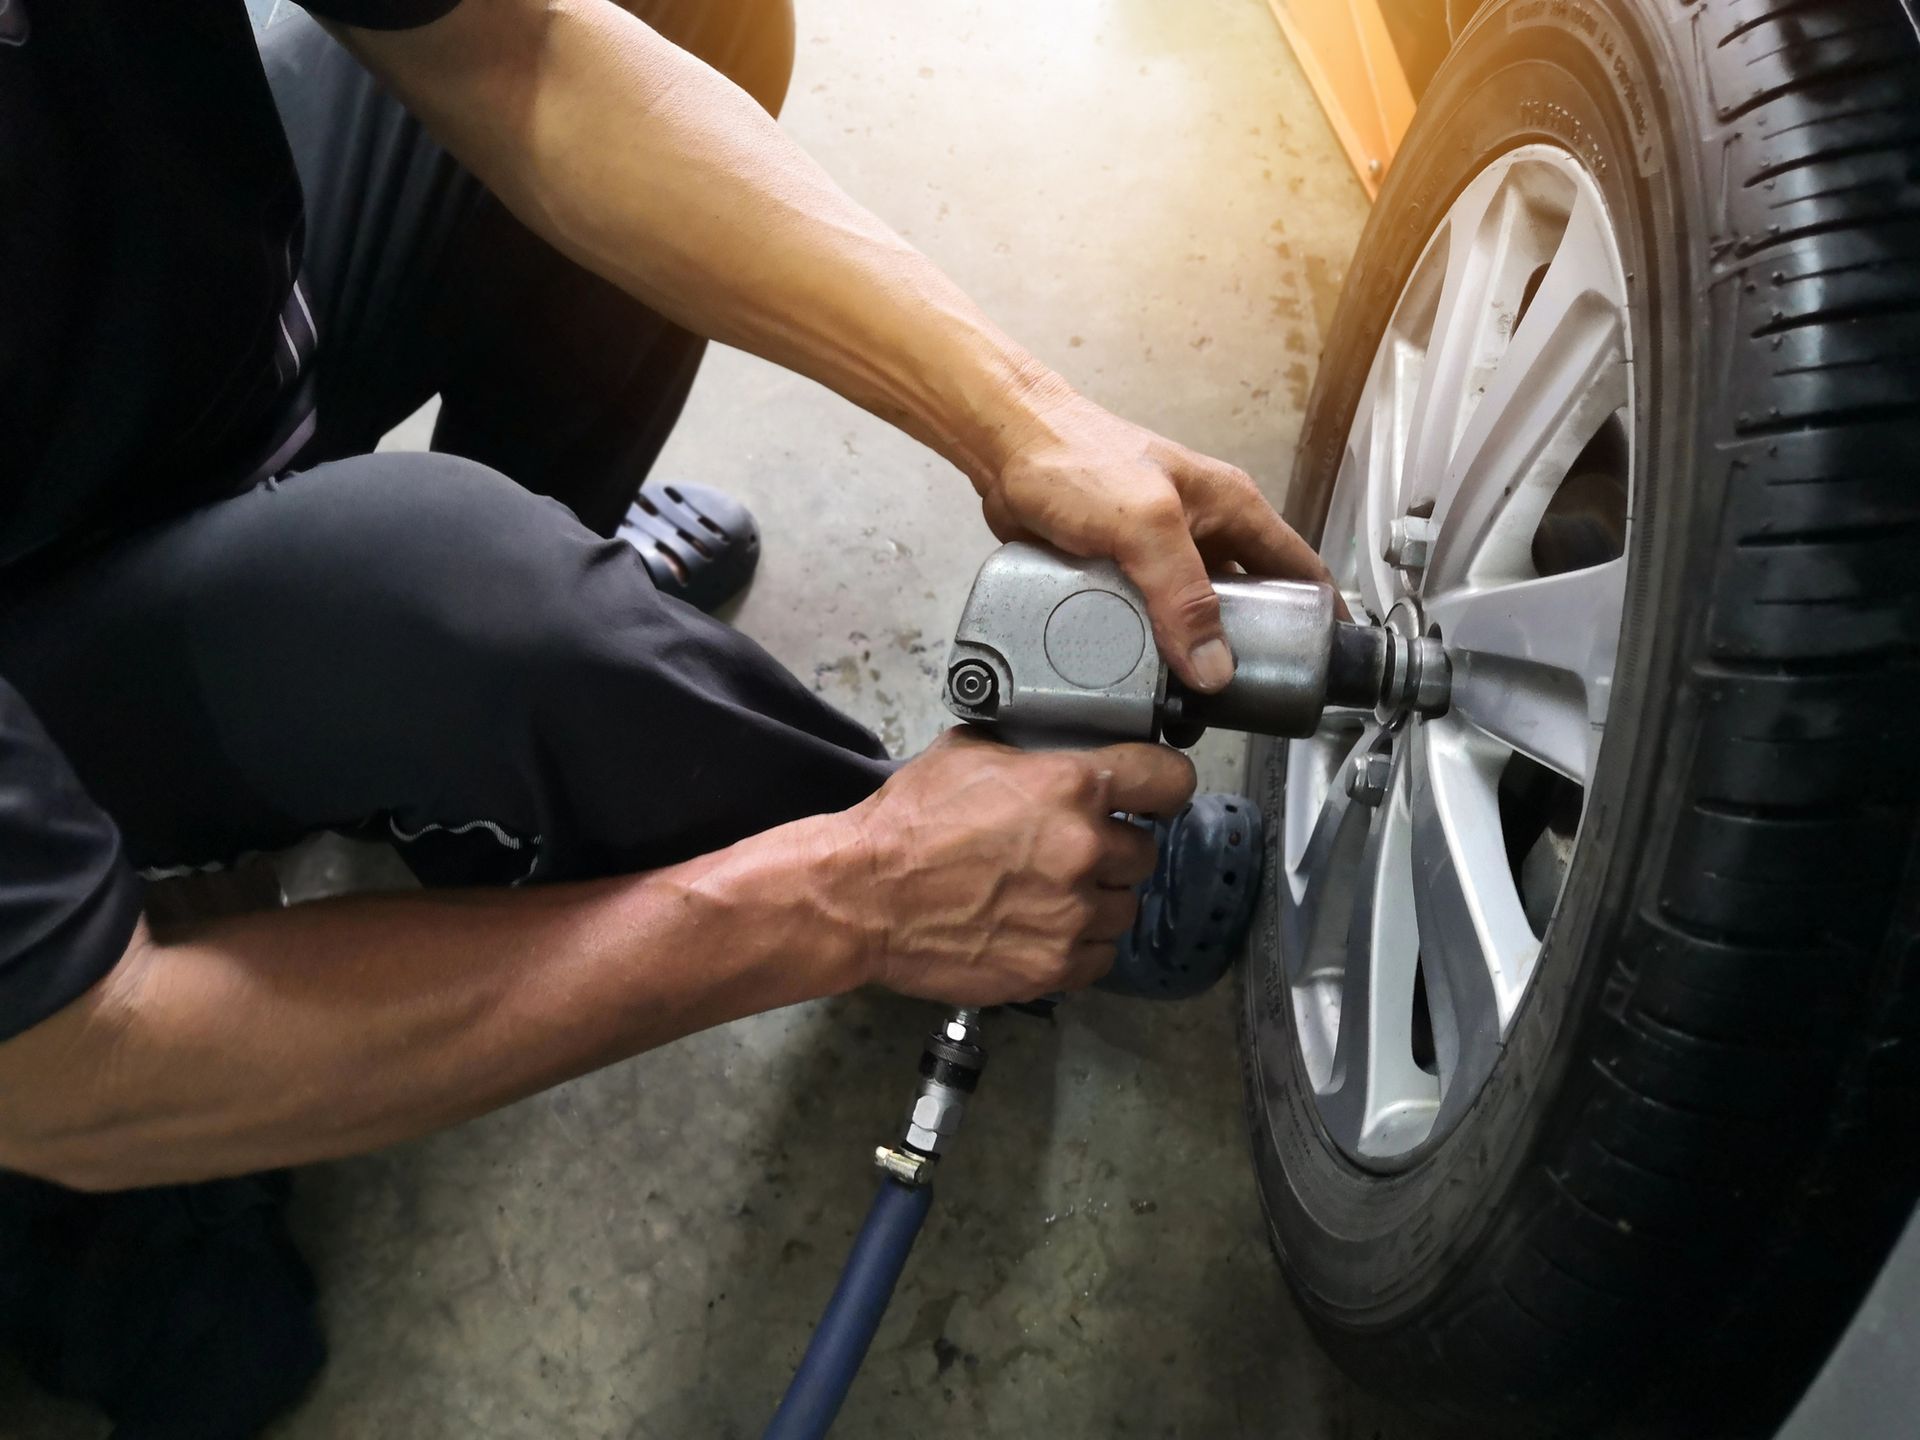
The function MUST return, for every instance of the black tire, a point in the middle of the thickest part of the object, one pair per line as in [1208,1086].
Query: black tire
[1704,1130]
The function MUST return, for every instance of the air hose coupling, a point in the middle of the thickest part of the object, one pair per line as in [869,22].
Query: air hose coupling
[950,1067]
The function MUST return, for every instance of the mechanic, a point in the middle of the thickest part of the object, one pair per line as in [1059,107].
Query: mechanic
[228,266]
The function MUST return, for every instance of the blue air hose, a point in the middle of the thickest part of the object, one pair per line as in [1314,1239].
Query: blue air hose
[840,1343]
[1168,955]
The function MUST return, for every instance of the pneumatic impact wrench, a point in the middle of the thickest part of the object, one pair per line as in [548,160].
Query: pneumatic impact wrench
[1052,652]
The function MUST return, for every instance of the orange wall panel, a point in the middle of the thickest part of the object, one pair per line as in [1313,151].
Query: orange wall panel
[1343,47]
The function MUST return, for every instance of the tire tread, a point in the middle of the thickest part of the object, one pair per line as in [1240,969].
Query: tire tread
[1789,855]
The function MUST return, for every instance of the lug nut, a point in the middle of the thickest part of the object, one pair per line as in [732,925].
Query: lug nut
[1369,775]
[1408,541]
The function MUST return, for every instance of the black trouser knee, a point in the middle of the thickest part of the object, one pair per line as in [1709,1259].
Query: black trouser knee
[413,643]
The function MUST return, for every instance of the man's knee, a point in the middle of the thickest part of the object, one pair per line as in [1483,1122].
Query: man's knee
[748,41]
[453,565]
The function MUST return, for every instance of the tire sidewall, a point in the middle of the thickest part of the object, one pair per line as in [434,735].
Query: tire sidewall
[1365,1251]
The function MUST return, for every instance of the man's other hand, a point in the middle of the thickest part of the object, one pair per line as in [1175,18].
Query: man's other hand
[1092,484]
[1001,875]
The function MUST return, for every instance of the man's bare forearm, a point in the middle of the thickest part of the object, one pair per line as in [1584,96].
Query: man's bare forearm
[655,171]
[341,1026]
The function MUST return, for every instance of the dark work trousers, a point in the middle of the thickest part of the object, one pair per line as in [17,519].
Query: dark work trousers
[440,649]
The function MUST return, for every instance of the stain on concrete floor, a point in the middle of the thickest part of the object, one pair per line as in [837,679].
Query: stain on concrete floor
[1144,192]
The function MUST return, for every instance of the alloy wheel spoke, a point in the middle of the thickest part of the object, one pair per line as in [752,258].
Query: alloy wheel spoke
[1344,547]
[1476,943]
[1380,498]
[1339,546]
[1321,863]
[1463,313]
[1562,375]
[1380,1100]
[1365,485]
[1533,661]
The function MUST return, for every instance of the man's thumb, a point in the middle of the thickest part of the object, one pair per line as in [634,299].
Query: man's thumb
[1185,612]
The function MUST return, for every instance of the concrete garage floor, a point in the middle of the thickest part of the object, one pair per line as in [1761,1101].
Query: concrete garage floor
[1146,193]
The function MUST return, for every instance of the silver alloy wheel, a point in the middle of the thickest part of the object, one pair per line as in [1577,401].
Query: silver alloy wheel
[1491,455]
